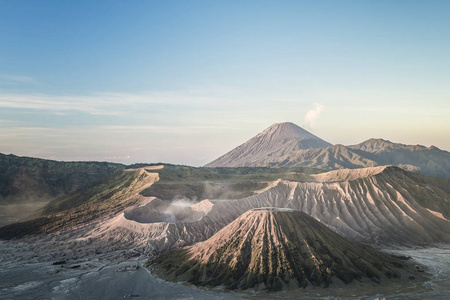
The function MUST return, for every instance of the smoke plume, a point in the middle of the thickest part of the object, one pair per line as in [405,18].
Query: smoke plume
[313,115]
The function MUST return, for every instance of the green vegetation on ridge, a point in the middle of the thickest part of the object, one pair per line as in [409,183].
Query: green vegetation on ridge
[175,182]
[25,178]
[210,183]
[107,198]
[26,183]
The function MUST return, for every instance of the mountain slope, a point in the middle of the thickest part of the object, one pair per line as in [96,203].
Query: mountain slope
[380,206]
[278,138]
[329,158]
[26,178]
[79,208]
[275,249]
[426,160]
[26,183]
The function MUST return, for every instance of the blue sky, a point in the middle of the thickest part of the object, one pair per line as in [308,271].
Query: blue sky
[186,81]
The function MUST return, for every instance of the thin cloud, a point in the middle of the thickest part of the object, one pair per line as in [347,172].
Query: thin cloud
[117,157]
[113,103]
[72,130]
[97,104]
[9,122]
[158,128]
[16,79]
[313,115]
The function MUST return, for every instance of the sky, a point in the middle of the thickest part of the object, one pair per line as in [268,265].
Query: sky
[186,81]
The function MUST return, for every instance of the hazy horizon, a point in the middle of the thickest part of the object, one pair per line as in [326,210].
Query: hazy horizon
[186,81]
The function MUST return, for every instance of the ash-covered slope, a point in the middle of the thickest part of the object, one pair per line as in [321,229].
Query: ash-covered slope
[275,249]
[278,139]
[380,206]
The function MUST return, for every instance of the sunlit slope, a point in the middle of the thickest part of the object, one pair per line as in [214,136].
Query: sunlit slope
[176,216]
[275,249]
[107,199]
[382,205]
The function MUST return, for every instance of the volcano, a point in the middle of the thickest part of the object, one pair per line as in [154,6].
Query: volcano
[275,249]
[275,141]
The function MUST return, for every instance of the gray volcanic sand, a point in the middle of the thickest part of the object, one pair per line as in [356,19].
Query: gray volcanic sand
[24,274]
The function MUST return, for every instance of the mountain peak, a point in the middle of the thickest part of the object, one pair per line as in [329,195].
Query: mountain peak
[275,141]
[380,145]
[287,130]
[378,141]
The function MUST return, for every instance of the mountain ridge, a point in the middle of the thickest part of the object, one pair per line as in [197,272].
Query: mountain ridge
[379,144]
[27,183]
[80,208]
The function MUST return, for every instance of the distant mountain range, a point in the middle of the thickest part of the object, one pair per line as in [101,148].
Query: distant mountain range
[288,145]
